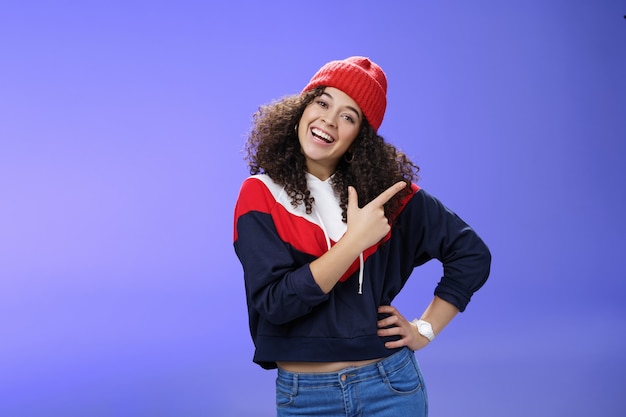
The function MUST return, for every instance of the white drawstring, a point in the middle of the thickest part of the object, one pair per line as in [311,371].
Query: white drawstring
[361,273]
[323,229]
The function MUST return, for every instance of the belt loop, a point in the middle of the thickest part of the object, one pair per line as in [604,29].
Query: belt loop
[294,386]
[381,370]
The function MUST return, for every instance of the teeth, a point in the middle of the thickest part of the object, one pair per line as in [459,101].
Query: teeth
[322,135]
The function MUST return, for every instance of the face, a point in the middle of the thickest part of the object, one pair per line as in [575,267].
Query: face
[327,128]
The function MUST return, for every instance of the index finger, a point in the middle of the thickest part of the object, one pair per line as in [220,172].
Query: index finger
[388,193]
[387,309]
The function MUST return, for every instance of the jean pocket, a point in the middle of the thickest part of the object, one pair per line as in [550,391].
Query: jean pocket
[284,395]
[404,380]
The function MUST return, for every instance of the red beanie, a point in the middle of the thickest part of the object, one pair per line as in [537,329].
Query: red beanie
[361,79]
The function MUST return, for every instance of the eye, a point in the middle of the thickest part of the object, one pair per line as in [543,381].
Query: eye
[348,118]
[322,103]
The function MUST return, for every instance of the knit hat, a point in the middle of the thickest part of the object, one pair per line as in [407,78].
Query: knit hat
[361,79]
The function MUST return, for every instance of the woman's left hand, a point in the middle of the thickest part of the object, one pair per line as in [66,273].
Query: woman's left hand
[396,324]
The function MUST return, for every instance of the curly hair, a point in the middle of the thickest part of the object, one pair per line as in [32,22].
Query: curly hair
[273,148]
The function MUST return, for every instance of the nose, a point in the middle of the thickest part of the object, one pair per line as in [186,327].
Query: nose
[330,119]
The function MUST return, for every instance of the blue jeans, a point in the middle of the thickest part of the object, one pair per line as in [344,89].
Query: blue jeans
[391,387]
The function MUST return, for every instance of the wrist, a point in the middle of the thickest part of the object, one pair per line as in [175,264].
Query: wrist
[424,328]
[350,245]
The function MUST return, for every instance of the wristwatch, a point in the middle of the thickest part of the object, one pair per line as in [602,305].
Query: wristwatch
[424,328]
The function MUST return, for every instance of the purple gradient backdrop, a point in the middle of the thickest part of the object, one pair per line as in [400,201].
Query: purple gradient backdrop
[121,126]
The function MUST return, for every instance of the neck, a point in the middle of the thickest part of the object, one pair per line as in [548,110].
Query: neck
[321,172]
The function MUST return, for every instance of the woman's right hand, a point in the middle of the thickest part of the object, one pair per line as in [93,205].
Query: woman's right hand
[368,225]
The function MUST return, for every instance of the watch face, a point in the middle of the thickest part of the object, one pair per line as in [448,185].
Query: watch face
[424,328]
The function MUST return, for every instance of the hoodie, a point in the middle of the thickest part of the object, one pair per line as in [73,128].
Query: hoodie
[291,319]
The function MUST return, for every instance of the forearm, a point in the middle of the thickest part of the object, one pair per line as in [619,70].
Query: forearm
[439,313]
[330,267]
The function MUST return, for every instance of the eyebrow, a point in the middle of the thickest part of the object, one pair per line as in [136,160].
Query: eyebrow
[348,107]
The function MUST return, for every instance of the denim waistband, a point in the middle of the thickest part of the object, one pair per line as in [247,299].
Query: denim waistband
[351,374]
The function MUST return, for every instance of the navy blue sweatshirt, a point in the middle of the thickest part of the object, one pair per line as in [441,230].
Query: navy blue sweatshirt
[292,319]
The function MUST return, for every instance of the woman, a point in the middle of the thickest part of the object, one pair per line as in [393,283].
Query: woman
[328,228]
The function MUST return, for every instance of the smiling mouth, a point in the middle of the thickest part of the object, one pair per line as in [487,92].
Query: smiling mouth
[322,135]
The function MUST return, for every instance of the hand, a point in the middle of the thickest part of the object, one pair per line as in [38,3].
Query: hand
[409,336]
[368,225]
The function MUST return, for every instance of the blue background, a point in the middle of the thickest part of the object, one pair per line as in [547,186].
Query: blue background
[121,130]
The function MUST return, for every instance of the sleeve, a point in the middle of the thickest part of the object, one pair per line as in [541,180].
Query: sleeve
[278,280]
[441,234]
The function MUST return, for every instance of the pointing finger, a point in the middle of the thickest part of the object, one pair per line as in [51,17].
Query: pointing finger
[388,193]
